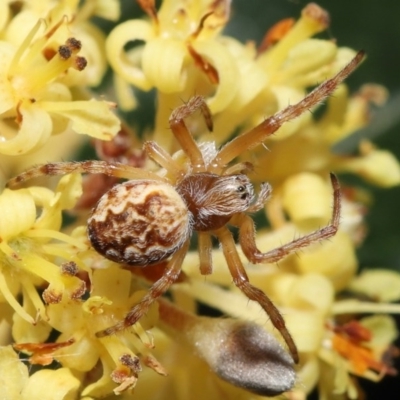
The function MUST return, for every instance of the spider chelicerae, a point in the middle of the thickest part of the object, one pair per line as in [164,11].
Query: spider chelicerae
[150,218]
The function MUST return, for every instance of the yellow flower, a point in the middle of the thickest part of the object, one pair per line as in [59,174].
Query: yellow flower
[78,349]
[179,51]
[379,285]
[34,104]
[78,14]
[180,54]
[272,78]
[31,219]
[31,251]
[309,146]
[329,354]
[17,383]
[304,288]
[181,37]
[198,351]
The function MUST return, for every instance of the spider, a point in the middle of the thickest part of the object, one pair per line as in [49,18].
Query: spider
[149,218]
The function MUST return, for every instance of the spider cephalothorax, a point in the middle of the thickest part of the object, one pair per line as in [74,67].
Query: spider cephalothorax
[213,199]
[150,218]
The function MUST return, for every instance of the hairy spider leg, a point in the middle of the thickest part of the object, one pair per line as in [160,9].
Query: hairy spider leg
[90,167]
[191,149]
[239,168]
[259,134]
[205,252]
[247,233]
[241,280]
[163,159]
[169,276]
[182,134]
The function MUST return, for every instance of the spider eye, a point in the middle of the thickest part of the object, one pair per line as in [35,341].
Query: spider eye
[245,193]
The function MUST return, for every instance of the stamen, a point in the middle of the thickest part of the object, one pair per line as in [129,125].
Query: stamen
[115,348]
[24,46]
[275,34]
[51,234]
[49,272]
[205,66]
[314,19]
[43,353]
[80,63]
[55,67]
[30,291]
[12,301]
[149,7]
[35,48]
[197,32]
[8,250]
[74,45]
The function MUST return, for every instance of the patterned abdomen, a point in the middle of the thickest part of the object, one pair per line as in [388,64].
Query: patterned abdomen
[139,223]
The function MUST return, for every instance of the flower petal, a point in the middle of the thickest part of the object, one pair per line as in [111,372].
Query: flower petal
[163,60]
[307,199]
[379,284]
[4,13]
[13,374]
[384,331]
[80,355]
[18,212]
[126,98]
[313,19]
[124,33]
[380,167]
[308,63]
[340,269]
[93,118]
[107,9]
[6,92]
[253,99]
[228,73]
[311,292]
[35,130]
[50,384]
[307,329]
[24,331]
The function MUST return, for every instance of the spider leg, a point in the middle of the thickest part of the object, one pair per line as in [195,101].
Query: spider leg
[239,168]
[163,158]
[92,167]
[182,134]
[253,254]
[241,280]
[170,276]
[205,252]
[259,134]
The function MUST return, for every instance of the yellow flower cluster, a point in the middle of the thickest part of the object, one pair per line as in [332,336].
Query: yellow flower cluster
[42,65]
[56,292]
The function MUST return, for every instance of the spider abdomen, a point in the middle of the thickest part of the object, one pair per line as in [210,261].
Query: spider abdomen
[139,223]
